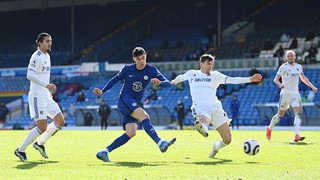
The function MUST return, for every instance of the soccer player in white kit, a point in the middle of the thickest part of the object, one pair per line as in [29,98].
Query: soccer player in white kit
[40,99]
[206,107]
[290,72]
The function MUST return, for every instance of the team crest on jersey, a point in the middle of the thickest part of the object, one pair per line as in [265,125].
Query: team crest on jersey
[41,112]
[137,86]
[145,77]
[134,104]
[33,63]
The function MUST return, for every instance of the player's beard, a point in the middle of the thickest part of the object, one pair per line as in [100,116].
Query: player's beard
[48,50]
[290,62]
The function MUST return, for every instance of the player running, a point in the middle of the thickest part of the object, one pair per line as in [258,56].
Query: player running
[40,99]
[206,107]
[289,95]
[135,78]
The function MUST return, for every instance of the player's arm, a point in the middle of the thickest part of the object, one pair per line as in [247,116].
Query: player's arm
[111,82]
[108,86]
[160,80]
[31,76]
[306,81]
[180,78]
[242,80]
[276,80]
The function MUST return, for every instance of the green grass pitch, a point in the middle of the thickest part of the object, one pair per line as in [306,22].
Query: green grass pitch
[72,156]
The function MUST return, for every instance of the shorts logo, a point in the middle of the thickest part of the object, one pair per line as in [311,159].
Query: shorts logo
[137,86]
[41,112]
[134,104]
[145,77]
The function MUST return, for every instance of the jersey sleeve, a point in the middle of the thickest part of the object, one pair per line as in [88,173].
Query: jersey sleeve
[221,78]
[183,77]
[33,64]
[281,70]
[301,69]
[122,73]
[118,77]
[164,81]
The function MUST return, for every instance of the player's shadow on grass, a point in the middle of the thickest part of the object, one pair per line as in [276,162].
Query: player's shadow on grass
[300,143]
[29,165]
[220,161]
[295,143]
[135,164]
[252,162]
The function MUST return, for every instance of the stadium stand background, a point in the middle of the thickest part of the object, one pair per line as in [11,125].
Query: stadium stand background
[108,31]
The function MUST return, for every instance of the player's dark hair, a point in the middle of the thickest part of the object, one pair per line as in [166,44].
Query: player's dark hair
[138,51]
[205,57]
[41,36]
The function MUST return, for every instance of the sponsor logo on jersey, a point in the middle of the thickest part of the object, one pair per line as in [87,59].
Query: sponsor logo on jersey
[134,104]
[46,68]
[202,79]
[137,86]
[145,77]
[292,74]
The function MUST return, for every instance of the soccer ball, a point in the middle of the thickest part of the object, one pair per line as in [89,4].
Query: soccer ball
[251,147]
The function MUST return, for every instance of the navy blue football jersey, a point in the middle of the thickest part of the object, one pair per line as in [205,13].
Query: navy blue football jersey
[135,81]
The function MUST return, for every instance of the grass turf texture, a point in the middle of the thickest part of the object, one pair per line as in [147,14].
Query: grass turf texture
[72,156]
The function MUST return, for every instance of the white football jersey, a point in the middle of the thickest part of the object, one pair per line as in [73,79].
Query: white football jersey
[40,63]
[290,77]
[203,87]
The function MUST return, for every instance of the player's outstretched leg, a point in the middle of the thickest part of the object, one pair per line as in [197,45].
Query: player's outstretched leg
[297,138]
[213,151]
[201,128]
[165,144]
[21,155]
[103,156]
[41,149]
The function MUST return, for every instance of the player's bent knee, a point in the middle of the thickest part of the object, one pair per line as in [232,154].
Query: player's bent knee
[42,128]
[59,119]
[227,140]
[131,134]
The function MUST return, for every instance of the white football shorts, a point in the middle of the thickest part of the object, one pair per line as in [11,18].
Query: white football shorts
[215,113]
[41,107]
[287,100]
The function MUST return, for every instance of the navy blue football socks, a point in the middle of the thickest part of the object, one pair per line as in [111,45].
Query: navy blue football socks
[150,130]
[121,140]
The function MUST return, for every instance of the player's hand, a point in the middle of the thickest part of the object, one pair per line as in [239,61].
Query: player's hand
[97,91]
[155,81]
[52,88]
[281,86]
[314,89]
[256,78]
[173,82]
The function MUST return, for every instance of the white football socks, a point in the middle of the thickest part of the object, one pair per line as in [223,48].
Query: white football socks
[275,119]
[51,130]
[219,145]
[297,123]
[32,135]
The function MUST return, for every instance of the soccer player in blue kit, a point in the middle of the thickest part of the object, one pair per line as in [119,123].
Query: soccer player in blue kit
[135,78]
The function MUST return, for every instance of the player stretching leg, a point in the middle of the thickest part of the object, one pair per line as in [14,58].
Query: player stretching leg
[135,77]
[40,99]
[289,95]
[206,107]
